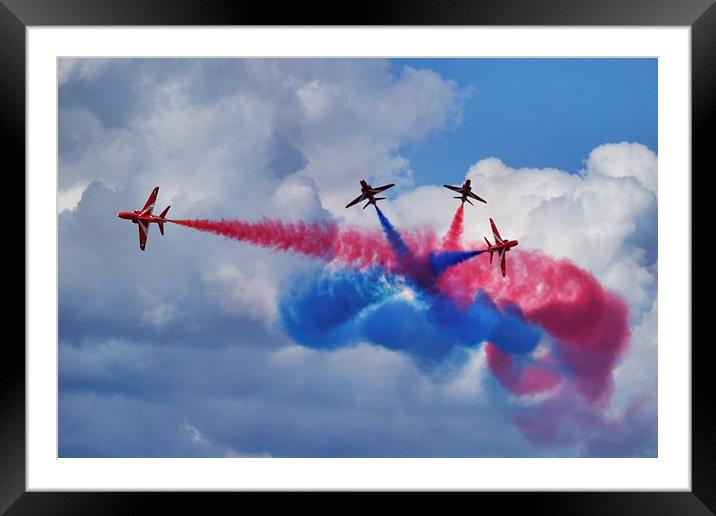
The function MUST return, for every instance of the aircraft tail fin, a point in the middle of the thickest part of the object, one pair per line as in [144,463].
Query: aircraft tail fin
[379,198]
[488,246]
[163,215]
[367,204]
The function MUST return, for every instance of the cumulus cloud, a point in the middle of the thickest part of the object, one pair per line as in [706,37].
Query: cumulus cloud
[603,219]
[239,293]
[178,352]
[79,69]
[625,160]
[261,122]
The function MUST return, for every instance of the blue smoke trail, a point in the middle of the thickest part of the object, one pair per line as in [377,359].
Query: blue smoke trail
[344,307]
[399,246]
[440,262]
[315,309]
[339,308]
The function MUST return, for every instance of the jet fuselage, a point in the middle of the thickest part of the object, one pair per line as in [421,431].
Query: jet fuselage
[505,244]
[135,217]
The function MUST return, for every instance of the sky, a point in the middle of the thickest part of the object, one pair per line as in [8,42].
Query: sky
[540,113]
[207,346]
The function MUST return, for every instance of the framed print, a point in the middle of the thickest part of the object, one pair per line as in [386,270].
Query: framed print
[417,253]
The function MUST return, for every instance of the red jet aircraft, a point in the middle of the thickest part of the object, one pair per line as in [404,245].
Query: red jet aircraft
[142,218]
[465,191]
[368,192]
[501,246]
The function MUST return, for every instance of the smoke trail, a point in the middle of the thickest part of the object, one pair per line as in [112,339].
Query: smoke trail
[338,308]
[318,310]
[453,238]
[421,267]
[324,240]
[464,301]
[587,323]
[563,420]
[343,307]
[396,241]
[522,377]
[360,248]
[346,307]
[440,262]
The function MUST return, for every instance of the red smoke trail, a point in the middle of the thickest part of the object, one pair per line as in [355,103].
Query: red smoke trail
[588,322]
[562,420]
[453,238]
[358,247]
[520,379]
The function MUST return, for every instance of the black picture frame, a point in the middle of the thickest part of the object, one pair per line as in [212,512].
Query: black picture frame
[17,15]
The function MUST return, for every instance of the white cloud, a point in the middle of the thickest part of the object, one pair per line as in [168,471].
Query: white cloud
[625,160]
[156,310]
[239,293]
[206,447]
[347,118]
[467,385]
[72,69]
[67,199]
[636,376]
[244,139]
[603,220]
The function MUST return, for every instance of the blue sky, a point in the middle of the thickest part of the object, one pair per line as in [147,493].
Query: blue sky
[183,350]
[539,112]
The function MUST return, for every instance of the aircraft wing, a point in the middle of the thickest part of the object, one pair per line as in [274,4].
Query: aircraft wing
[454,188]
[495,233]
[503,264]
[381,188]
[476,197]
[149,205]
[356,200]
[143,234]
